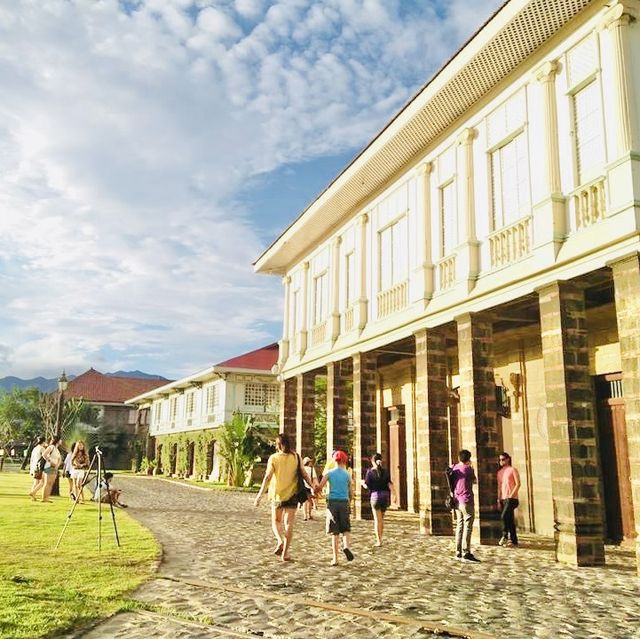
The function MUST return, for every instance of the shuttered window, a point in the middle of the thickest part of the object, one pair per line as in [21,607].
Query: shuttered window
[588,132]
[510,182]
[394,261]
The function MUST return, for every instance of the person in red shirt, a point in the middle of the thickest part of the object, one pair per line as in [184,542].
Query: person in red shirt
[508,486]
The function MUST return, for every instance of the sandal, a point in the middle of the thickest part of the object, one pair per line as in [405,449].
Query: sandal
[279,549]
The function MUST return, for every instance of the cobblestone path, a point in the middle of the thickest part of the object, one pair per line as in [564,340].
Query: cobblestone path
[218,578]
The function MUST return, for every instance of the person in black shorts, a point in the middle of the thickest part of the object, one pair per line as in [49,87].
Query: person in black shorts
[378,482]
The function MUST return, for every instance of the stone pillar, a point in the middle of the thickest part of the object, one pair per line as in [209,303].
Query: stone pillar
[337,407]
[288,408]
[479,428]
[626,279]
[468,253]
[573,452]
[305,413]
[549,214]
[364,425]
[362,304]
[432,430]
[424,267]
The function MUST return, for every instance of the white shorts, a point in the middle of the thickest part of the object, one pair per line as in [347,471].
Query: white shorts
[78,474]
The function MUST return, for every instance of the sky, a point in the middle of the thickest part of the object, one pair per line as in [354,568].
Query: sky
[150,150]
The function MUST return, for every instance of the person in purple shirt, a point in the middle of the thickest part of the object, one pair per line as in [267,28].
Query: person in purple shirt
[463,477]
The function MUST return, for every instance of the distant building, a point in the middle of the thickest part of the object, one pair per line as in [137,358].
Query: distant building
[108,394]
[184,416]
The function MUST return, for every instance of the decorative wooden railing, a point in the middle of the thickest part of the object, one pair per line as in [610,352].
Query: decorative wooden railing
[318,333]
[446,272]
[348,319]
[392,300]
[589,204]
[511,243]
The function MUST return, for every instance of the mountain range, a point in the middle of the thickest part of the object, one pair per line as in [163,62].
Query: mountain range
[47,385]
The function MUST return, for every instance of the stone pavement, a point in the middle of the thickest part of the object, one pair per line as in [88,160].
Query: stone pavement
[218,578]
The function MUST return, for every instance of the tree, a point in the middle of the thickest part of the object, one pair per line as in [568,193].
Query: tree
[320,421]
[20,417]
[241,444]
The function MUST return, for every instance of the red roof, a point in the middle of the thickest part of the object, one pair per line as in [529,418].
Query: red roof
[93,386]
[262,359]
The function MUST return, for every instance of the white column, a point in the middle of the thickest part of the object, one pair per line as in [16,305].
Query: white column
[549,215]
[304,329]
[362,275]
[284,345]
[424,269]
[468,256]
[616,20]
[546,76]
[335,288]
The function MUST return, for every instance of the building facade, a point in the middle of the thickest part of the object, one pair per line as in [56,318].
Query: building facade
[120,423]
[472,279]
[184,416]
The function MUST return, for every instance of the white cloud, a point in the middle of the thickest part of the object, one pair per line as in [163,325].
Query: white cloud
[126,135]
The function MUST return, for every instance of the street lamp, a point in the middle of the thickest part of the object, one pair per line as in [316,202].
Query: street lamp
[63,382]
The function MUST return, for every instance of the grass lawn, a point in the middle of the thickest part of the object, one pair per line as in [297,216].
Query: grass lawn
[45,591]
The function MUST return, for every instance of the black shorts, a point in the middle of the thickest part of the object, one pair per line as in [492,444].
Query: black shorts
[338,517]
[66,474]
[292,502]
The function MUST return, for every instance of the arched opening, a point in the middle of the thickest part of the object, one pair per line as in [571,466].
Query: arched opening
[210,457]
[173,457]
[191,450]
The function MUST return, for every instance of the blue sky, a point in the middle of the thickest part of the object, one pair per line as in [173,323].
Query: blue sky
[151,149]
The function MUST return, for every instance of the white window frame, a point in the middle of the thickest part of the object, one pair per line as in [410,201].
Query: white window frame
[212,399]
[349,279]
[500,215]
[320,297]
[398,258]
[593,171]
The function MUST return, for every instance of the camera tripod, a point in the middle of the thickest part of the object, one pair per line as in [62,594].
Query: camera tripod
[100,480]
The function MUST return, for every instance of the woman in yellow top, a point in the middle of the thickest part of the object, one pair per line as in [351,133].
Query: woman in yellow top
[282,479]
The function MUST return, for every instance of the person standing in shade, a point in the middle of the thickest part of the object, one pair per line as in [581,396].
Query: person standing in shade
[309,505]
[67,471]
[340,493]
[508,486]
[378,482]
[282,479]
[34,471]
[463,477]
[53,459]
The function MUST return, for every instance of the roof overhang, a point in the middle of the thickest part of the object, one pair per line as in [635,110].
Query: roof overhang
[506,40]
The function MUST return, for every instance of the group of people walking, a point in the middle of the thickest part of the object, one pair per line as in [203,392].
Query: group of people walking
[46,460]
[286,470]
[461,479]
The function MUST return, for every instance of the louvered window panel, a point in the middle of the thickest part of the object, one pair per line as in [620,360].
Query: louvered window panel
[588,129]
[510,182]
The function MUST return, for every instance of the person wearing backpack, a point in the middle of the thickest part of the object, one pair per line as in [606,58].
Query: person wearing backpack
[35,469]
[378,482]
[463,477]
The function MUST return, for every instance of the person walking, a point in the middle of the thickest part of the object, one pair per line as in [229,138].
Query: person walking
[53,459]
[67,470]
[34,471]
[508,487]
[378,482]
[309,505]
[281,478]
[463,478]
[338,499]
[79,465]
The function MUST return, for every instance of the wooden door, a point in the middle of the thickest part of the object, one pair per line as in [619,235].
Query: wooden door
[614,458]
[398,455]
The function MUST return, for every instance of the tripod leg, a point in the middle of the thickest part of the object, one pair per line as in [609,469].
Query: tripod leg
[113,514]
[73,507]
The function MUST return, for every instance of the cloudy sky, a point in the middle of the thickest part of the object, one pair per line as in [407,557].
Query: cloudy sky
[151,149]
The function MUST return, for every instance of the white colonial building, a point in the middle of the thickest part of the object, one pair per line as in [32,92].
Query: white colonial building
[184,416]
[472,280]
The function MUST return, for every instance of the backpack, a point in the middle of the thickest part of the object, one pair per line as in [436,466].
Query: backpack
[450,503]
